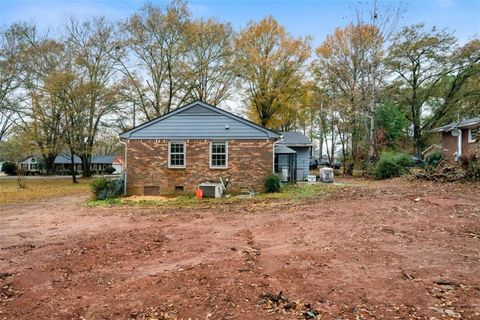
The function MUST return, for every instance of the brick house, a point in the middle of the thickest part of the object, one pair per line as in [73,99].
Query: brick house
[460,139]
[193,144]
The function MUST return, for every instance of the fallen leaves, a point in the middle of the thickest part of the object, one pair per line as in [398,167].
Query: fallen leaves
[279,303]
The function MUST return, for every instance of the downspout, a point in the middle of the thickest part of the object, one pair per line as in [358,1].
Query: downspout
[273,152]
[459,142]
[124,170]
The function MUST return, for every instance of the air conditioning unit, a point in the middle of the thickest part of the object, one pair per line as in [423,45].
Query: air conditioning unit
[211,190]
[326,175]
[284,174]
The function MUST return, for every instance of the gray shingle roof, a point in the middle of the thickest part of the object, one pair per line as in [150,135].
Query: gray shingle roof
[103,159]
[295,139]
[462,124]
[65,159]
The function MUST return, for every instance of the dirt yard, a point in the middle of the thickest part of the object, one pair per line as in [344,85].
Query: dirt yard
[374,250]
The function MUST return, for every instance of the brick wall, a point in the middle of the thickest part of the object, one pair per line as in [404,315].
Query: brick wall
[249,161]
[449,144]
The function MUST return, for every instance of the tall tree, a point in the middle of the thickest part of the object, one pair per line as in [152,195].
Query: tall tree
[345,66]
[457,95]
[9,81]
[93,45]
[152,57]
[40,116]
[420,59]
[269,60]
[382,18]
[209,61]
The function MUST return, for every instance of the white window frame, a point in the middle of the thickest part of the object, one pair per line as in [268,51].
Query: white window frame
[184,155]
[470,140]
[211,166]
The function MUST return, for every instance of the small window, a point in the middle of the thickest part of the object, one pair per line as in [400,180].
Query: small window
[178,188]
[218,154]
[151,190]
[472,135]
[176,155]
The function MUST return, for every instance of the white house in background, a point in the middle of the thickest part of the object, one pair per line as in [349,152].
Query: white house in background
[35,164]
[118,164]
[32,163]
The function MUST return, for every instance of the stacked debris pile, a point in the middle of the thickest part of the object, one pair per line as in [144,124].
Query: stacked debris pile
[467,170]
[279,303]
[444,172]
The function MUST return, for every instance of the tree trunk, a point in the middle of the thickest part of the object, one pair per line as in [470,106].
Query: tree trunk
[350,169]
[332,158]
[320,133]
[344,152]
[371,136]
[86,161]
[49,163]
[417,139]
[72,161]
[320,144]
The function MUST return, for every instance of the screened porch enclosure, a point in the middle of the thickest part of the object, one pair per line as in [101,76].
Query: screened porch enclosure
[285,163]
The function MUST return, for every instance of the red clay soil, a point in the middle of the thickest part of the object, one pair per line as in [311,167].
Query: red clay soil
[376,250]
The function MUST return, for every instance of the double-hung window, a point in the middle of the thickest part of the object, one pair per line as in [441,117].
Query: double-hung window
[472,135]
[218,154]
[176,154]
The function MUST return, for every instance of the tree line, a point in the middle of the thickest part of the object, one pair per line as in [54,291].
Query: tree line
[369,86]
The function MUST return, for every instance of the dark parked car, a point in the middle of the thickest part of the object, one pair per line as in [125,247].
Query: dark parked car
[313,164]
[324,162]
[417,162]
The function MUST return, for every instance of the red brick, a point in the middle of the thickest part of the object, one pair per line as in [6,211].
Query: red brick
[249,162]
[449,144]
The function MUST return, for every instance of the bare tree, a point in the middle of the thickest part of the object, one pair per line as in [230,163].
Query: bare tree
[209,61]
[9,81]
[40,116]
[384,19]
[152,56]
[93,44]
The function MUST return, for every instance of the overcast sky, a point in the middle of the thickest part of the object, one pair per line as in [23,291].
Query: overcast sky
[300,17]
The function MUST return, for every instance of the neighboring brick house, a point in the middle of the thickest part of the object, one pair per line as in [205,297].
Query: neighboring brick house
[460,139]
[193,144]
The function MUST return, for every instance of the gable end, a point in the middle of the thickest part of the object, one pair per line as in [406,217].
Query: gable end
[199,120]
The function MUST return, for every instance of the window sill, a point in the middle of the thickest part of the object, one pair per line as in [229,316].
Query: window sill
[218,168]
[176,167]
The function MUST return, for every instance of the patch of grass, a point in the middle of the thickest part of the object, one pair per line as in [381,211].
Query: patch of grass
[106,202]
[296,192]
[303,191]
[39,188]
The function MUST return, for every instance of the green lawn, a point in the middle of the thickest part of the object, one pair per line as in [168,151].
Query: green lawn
[39,188]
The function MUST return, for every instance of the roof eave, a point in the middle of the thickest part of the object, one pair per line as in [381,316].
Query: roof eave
[296,144]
